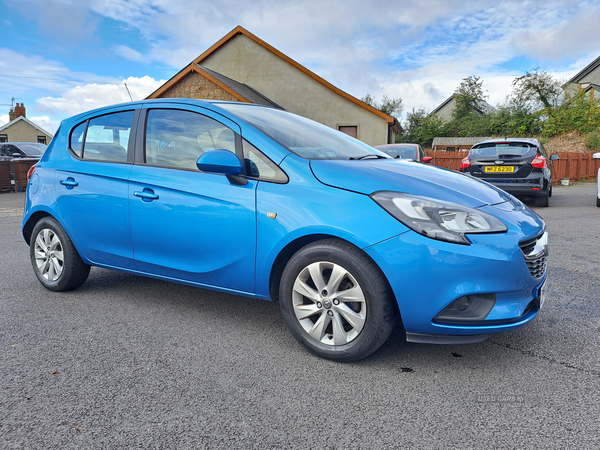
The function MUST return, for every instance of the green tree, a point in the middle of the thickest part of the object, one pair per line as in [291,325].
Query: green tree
[537,90]
[513,118]
[580,113]
[468,97]
[390,106]
[421,128]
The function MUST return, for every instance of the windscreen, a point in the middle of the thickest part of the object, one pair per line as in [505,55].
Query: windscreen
[401,151]
[302,136]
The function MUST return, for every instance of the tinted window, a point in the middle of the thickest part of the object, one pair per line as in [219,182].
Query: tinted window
[9,150]
[107,137]
[77,136]
[503,149]
[176,138]
[260,167]
[33,149]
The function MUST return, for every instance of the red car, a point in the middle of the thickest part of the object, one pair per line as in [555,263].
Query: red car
[405,151]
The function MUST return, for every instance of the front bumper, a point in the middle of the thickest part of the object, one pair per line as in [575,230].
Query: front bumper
[428,275]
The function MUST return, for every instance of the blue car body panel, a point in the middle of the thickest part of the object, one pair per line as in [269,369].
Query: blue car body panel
[200,229]
[407,177]
[187,232]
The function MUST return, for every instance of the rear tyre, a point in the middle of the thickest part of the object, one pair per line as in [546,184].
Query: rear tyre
[336,302]
[55,260]
[542,201]
[598,202]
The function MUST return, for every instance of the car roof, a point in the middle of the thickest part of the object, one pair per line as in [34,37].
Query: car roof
[154,101]
[396,145]
[532,141]
[18,143]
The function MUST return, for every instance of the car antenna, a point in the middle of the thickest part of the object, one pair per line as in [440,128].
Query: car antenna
[128,91]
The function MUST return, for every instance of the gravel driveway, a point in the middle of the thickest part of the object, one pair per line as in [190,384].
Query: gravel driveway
[132,362]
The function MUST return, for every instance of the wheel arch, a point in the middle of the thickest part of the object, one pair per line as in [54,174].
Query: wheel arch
[291,248]
[30,224]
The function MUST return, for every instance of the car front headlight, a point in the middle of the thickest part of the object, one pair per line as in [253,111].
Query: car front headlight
[437,219]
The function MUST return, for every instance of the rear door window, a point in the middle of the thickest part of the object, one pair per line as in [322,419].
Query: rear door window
[103,138]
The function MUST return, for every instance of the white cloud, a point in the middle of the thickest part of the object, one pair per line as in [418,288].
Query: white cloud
[572,37]
[66,21]
[3,119]
[90,96]
[22,74]
[46,123]
[419,51]
[129,53]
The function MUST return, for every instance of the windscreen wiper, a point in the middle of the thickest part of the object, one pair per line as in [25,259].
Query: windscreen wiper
[368,156]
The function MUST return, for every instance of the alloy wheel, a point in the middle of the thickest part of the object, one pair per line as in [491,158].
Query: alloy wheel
[49,256]
[329,303]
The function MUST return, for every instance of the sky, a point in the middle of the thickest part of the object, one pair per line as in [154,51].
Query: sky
[63,57]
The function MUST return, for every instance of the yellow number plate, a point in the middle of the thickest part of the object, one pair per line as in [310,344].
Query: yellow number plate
[503,169]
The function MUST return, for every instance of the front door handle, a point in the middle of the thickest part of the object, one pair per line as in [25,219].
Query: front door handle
[147,195]
[70,183]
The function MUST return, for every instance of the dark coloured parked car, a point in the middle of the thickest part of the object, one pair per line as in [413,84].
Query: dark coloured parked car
[12,150]
[405,151]
[597,156]
[518,166]
[259,202]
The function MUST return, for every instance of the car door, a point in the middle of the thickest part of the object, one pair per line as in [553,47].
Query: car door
[186,224]
[92,188]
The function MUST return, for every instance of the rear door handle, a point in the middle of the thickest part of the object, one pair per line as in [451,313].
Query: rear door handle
[147,195]
[70,183]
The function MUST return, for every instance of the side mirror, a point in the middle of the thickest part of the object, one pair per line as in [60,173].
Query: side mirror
[427,159]
[596,155]
[554,157]
[223,162]
[16,155]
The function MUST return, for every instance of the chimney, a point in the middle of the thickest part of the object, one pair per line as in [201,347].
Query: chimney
[19,110]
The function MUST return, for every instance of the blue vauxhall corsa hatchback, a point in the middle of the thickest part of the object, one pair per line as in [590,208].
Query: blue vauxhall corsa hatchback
[259,202]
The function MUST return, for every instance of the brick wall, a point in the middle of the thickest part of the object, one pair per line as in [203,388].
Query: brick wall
[197,86]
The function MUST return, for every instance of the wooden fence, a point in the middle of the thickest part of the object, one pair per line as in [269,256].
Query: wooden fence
[575,166]
[13,174]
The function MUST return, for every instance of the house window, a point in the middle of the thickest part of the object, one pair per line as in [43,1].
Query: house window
[42,140]
[451,149]
[350,130]
[3,138]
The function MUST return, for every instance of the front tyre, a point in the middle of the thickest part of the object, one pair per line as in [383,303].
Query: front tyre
[56,263]
[336,302]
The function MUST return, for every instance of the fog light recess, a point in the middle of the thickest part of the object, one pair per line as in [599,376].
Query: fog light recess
[468,308]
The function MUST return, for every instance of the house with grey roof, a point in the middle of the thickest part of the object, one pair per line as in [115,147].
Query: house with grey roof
[21,129]
[587,79]
[241,67]
[446,108]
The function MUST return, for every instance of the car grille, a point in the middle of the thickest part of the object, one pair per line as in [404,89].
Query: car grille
[535,252]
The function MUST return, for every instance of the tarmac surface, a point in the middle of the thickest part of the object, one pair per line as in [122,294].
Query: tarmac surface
[132,362]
